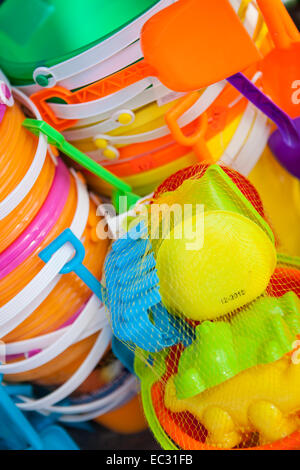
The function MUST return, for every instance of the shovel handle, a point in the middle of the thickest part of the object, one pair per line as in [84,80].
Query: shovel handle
[284,123]
[281,26]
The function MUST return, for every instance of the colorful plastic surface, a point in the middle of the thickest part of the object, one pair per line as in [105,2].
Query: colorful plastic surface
[39,32]
[260,335]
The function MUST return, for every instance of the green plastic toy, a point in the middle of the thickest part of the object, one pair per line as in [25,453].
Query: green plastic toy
[57,139]
[261,334]
[35,33]
[291,261]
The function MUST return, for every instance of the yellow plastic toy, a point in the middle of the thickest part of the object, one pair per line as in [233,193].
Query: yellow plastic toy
[263,399]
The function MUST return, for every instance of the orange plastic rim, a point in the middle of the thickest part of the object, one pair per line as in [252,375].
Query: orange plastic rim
[17,150]
[13,225]
[70,294]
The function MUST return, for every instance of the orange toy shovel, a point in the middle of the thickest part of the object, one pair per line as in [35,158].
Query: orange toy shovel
[190,45]
[281,67]
[195,43]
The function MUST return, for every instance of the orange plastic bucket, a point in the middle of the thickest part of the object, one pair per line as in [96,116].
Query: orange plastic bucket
[70,293]
[17,150]
[127,419]
[60,369]
[15,281]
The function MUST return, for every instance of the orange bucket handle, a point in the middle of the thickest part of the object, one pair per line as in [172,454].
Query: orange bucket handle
[196,141]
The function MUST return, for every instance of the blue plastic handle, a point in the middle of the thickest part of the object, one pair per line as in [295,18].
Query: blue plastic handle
[75,264]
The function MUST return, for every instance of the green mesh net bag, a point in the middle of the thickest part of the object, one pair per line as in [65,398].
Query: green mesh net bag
[211,311]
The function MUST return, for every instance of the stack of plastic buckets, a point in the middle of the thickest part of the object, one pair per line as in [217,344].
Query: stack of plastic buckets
[54,332]
[96,89]
[102,96]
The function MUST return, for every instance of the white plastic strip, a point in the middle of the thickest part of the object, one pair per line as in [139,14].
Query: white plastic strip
[70,336]
[100,52]
[127,56]
[236,4]
[5,80]
[114,400]
[146,97]
[97,322]
[74,73]
[204,102]
[129,383]
[240,136]
[7,101]
[18,318]
[109,102]
[51,270]
[98,110]
[251,19]
[254,147]
[24,187]
[80,375]
[85,110]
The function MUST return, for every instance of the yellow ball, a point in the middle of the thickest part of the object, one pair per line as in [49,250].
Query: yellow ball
[232,268]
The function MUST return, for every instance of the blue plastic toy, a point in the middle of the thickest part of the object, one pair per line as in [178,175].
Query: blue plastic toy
[28,431]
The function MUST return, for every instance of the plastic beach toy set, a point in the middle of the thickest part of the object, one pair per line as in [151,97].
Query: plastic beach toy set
[180,308]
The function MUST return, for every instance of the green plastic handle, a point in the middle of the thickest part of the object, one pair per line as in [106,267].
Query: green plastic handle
[291,261]
[57,139]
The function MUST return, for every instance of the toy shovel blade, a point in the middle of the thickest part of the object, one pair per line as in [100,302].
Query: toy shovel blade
[281,67]
[195,43]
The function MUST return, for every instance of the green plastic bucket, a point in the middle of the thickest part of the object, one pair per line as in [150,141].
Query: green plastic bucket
[35,33]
